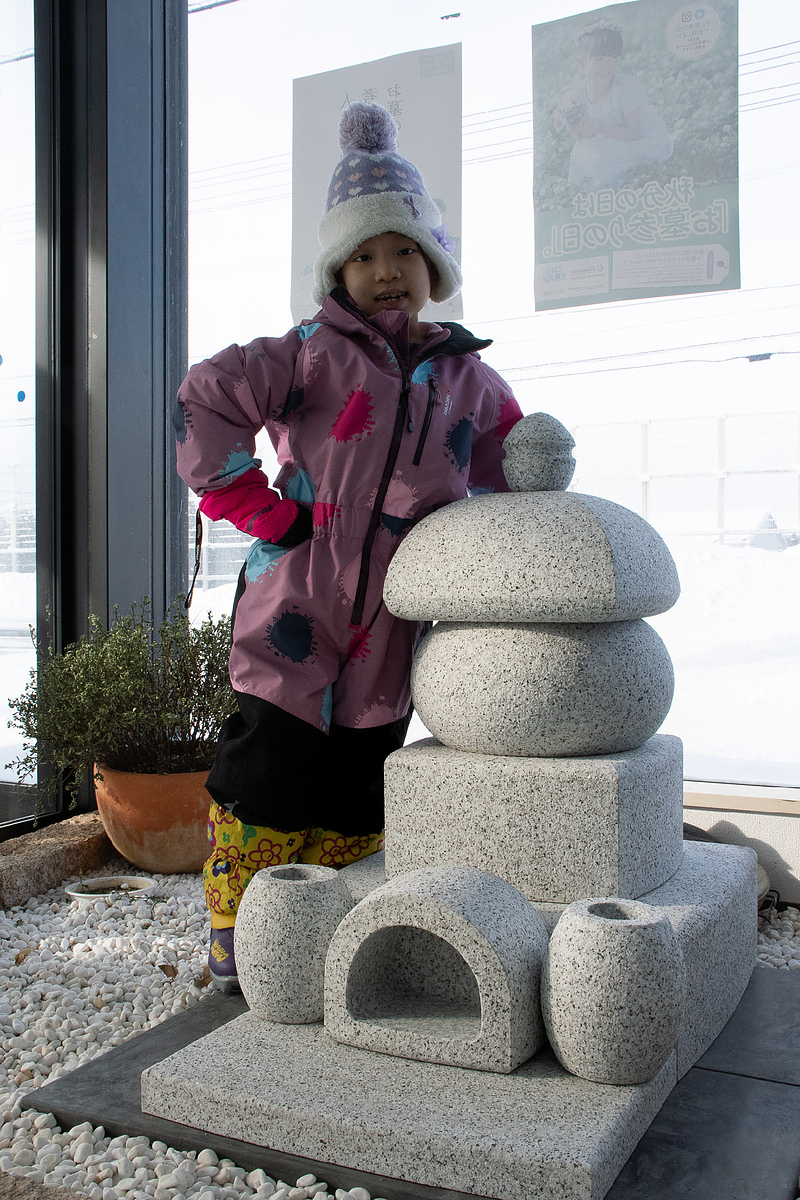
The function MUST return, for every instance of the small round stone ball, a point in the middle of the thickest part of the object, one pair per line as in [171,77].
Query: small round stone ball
[539,455]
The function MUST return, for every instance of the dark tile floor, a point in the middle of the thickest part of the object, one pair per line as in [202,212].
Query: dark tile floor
[730,1130]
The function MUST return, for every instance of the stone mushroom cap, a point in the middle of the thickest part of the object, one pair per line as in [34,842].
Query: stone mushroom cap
[537,553]
[531,556]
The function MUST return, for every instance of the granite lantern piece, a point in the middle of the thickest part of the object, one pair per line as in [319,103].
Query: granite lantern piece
[442,965]
[543,685]
[613,990]
[546,801]
[285,922]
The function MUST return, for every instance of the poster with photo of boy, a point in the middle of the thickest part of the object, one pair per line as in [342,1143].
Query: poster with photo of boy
[410,86]
[636,160]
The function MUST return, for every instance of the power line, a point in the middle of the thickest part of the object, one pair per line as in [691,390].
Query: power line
[778,46]
[644,301]
[758,105]
[12,58]
[650,353]
[780,67]
[710,316]
[774,58]
[244,162]
[673,362]
[776,88]
[212,4]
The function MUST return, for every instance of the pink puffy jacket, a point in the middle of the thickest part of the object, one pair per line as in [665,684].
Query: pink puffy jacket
[372,434]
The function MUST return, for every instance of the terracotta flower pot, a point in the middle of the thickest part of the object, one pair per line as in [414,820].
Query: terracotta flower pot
[157,822]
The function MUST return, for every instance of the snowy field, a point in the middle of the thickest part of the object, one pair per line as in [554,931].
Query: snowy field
[734,637]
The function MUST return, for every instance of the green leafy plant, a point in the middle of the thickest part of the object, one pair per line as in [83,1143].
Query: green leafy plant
[127,697]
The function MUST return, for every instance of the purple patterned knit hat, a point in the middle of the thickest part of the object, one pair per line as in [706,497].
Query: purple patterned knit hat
[374,190]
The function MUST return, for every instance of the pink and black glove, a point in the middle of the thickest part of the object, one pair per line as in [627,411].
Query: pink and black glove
[251,505]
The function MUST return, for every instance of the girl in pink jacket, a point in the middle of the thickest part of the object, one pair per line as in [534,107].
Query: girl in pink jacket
[378,419]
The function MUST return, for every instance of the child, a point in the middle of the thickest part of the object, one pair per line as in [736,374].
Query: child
[608,112]
[377,418]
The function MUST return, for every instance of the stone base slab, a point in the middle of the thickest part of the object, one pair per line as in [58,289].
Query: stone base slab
[536,1134]
[559,829]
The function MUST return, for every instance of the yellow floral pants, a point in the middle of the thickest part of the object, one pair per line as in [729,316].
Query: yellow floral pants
[238,851]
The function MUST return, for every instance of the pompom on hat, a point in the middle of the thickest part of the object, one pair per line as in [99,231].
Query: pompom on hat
[374,190]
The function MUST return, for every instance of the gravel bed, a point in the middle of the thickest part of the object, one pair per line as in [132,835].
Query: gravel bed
[779,940]
[78,978]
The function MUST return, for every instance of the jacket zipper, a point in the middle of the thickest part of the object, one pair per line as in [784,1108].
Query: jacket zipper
[377,508]
[402,418]
[426,423]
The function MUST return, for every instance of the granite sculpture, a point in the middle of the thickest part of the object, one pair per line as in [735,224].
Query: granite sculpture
[559,829]
[546,783]
[539,668]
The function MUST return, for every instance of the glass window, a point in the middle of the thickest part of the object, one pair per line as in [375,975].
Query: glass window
[684,408]
[17,370]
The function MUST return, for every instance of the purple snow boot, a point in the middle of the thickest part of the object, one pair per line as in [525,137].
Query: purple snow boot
[221,962]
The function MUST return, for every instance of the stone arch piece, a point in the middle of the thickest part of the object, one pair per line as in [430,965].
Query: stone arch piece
[441,965]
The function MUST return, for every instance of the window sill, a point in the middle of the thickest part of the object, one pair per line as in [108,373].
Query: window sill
[729,797]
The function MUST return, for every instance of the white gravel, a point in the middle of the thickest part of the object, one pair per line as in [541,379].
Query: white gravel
[77,979]
[779,940]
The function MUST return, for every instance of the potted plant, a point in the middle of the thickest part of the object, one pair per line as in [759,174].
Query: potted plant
[142,708]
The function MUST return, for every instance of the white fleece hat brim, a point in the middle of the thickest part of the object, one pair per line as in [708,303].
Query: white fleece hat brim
[346,226]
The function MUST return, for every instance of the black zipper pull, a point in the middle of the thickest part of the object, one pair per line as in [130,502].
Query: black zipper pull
[410,425]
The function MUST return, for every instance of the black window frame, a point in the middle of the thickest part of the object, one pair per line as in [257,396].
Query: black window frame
[111,318]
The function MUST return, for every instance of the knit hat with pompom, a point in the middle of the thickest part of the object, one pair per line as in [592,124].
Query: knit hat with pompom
[373,190]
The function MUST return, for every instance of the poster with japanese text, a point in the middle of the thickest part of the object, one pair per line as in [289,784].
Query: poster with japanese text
[635,179]
[411,86]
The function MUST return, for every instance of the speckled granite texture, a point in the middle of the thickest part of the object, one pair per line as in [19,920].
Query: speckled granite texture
[711,902]
[542,689]
[440,965]
[16,1187]
[536,1134]
[285,922]
[613,990]
[713,906]
[531,556]
[363,876]
[34,862]
[559,829]
[538,455]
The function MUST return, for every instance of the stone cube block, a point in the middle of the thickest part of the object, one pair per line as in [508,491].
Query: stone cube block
[712,903]
[442,966]
[559,829]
